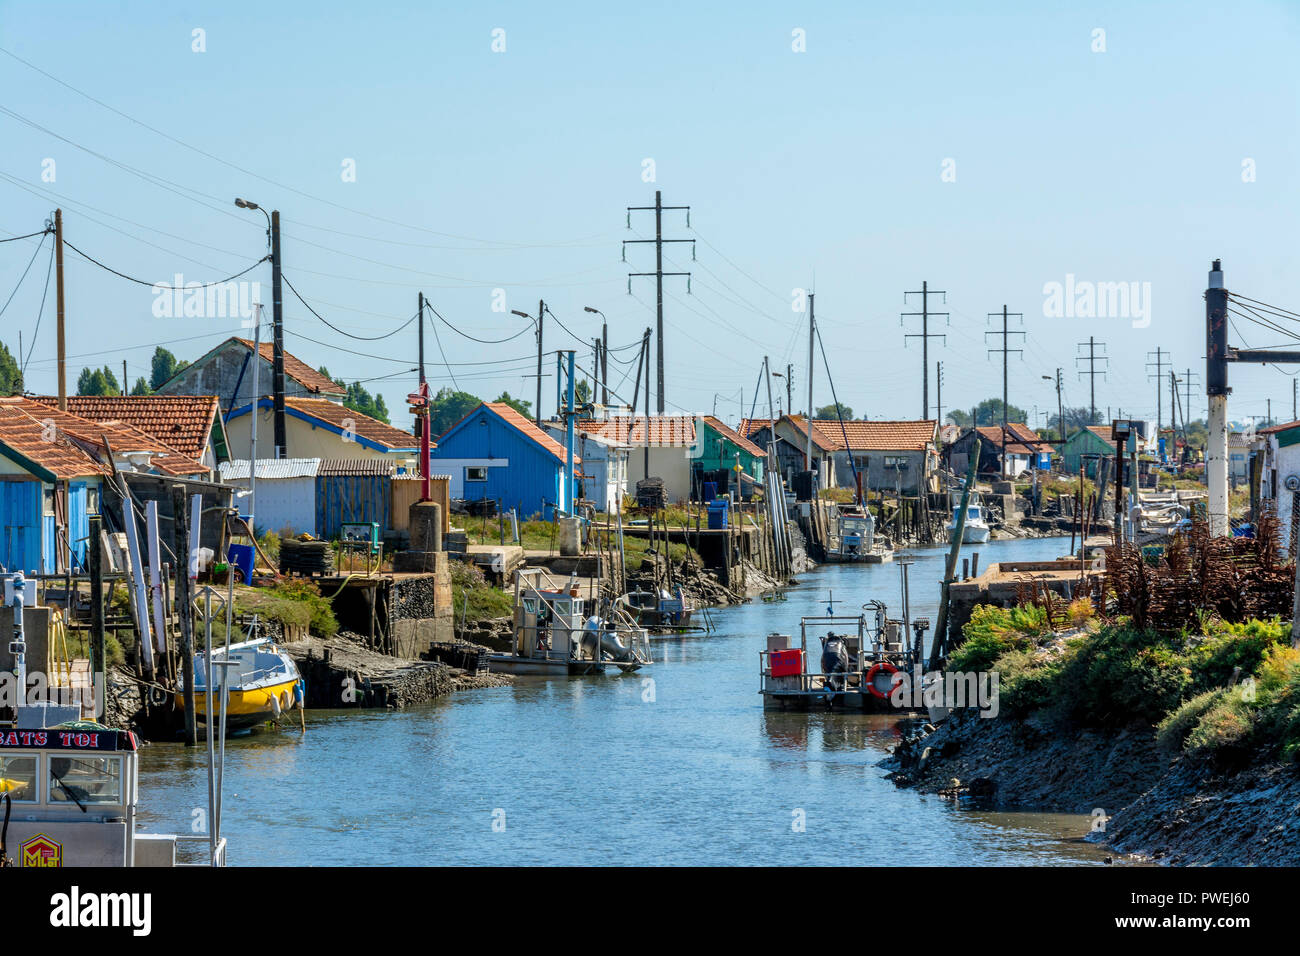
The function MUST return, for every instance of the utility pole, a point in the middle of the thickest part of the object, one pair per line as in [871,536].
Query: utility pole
[1060,407]
[642,362]
[58,265]
[812,335]
[604,361]
[789,389]
[925,336]
[1187,390]
[659,273]
[1294,382]
[1005,353]
[422,411]
[938,392]
[277,317]
[1092,358]
[537,410]
[1159,378]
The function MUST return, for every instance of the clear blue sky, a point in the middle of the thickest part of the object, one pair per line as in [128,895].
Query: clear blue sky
[478,170]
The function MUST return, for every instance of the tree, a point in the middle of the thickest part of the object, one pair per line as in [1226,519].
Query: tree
[164,365]
[518,404]
[98,382]
[141,387]
[11,377]
[448,407]
[989,412]
[1075,419]
[359,399]
[582,392]
[838,410]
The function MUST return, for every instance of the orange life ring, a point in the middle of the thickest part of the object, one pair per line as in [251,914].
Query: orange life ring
[882,667]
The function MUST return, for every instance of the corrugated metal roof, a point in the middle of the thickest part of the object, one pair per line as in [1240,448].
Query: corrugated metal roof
[357,466]
[270,468]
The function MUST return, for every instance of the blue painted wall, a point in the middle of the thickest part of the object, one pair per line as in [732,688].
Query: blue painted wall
[78,522]
[347,499]
[20,525]
[530,484]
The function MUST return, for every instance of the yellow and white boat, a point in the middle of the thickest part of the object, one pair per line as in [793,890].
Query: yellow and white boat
[263,683]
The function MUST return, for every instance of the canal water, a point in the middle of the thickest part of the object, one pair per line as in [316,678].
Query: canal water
[678,764]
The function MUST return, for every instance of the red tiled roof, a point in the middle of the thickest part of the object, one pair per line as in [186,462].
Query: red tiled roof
[1021,439]
[298,370]
[1274,429]
[731,435]
[879,436]
[24,427]
[665,431]
[749,427]
[182,422]
[362,425]
[529,428]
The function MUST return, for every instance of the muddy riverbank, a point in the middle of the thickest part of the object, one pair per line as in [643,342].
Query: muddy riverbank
[1143,802]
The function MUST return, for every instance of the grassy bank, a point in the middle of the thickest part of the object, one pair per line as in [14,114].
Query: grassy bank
[1228,691]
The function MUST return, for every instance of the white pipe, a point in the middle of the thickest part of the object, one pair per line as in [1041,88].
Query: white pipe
[155,575]
[1216,465]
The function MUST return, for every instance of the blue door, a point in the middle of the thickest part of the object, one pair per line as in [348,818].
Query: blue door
[20,525]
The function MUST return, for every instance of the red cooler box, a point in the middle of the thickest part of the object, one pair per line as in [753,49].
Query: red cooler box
[787,663]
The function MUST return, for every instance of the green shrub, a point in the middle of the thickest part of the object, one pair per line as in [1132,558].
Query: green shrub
[1234,650]
[1224,726]
[994,631]
[1121,675]
[1172,732]
[473,598]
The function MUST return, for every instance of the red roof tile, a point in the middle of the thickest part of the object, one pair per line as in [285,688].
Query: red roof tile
[877,435]
[1021,439]
[298,370]
[665,431]
[529,428]
[365,426]
[731,435]
[182,422]
[35,432]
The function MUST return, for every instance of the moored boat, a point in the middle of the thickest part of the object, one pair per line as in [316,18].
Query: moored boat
[262,683]
[553,636]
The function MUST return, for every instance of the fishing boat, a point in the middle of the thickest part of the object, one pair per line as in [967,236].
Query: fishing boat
[860,663]
[855,540]
[658,610]
[553,636]
[69,796]
[261,678]
[976,529]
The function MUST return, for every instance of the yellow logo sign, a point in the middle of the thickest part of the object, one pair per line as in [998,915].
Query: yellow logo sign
[40,850]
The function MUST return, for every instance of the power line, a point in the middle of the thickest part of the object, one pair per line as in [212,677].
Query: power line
[163,285]
[360,338]
[925,336]
[227,163]
[35,252]
[1159,378]
[659,274]
[1092,358]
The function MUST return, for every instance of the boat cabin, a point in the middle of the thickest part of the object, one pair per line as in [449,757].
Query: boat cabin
[71,792]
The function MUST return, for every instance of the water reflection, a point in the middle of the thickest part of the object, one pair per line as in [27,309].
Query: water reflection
[678,764]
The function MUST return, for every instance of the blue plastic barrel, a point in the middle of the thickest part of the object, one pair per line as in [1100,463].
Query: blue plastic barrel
[240,556]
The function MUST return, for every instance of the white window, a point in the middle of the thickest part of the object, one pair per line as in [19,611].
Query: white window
[476,473]
[83,779]
[18,778]
[896,461]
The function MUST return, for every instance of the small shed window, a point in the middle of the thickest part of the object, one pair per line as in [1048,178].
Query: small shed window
[896,461]
[476,473]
